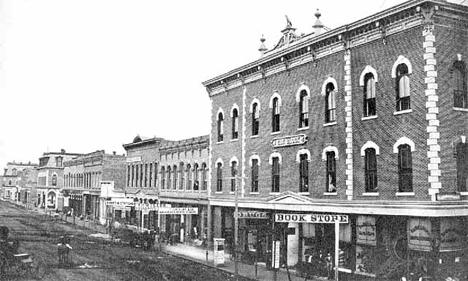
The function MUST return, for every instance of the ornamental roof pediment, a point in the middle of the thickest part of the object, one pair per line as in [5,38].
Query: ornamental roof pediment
[289,198]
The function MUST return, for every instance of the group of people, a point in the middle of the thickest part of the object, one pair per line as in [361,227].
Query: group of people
[319,264]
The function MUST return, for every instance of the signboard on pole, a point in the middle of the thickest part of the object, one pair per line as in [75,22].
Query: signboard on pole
[252,215]
[275,261]
[311,218]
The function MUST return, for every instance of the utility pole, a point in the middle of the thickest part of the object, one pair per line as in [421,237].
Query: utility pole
[236,230]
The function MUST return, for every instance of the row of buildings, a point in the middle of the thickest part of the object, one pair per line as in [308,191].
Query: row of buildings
[368,120]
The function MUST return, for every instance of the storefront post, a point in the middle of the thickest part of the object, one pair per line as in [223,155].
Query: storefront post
[337,246]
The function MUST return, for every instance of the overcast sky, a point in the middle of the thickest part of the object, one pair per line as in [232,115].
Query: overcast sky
[85,75]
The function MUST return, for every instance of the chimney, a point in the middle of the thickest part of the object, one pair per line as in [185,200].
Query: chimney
[62,150]
[262,48]
[114,153]
[318,26]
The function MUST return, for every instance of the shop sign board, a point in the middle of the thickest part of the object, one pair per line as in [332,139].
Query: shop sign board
[366,230]
[178,211]
[146,207]
[311,218]
[252,215]
[420,234]
[133,159]
[289,141]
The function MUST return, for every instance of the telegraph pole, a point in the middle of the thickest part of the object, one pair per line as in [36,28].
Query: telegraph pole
[236,230]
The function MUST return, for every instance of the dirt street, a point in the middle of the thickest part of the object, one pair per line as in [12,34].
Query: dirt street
[91,258]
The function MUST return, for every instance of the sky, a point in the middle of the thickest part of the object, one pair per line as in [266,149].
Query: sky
[86,75]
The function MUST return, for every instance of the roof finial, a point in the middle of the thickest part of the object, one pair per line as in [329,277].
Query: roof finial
[262,48]
[288,22]
[318,26]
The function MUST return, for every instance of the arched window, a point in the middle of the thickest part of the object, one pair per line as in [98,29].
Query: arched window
[175,177]
[150,175]
[128,175]
[460,92]
[254,176]
[402,88]
[14,172]
[405,168]
[233,175]
[369,95]
[146,175]
[303,172]
[169,178]
[303,109]
[204,177]
[181,176]
[235,123]
[255,119]
[189,177]
[275,115]
[370,169]
[219,177]
[220,126]
[330,171]
[330,103]
[275,174]
[163,177]
[54,180]
[462,166]
[136,175]
[195,177]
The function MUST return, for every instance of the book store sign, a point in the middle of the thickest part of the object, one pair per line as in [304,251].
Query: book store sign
[289,141]
[311,218]
[252,215]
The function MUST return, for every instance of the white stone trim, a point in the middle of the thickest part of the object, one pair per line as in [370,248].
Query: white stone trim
[233,159]
[255,156]
[303,87]
[401,60]
[220,110]
[368,69]
[327,149]
[303,151]
[255,100]
[219,160]
[325,83]
[403,140]
[275,95]
[370,144]
[275,154]
[235,106]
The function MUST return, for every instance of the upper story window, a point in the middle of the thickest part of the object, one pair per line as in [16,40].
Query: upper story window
[370,170]
[330,103]
[369,95]
[175,177]
[163,177]
[275,174]
[150,174]
[460,91]
[189,176]
[402,88]
[54,180]
[405,168]
[235,123]
[462,166]
[204,177]
[331,171]
[220,126]
[195,177]
[255,118]
[219,177]
[128,175]
[181,176]
[233,175]
[303,109]
[254,176]
[59,161]
[303,172]
[43,161]
[136,175]
[14,172]
[169,177]
[275,115]
[146,175]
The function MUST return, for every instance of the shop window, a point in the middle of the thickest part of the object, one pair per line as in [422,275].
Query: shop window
[255,119]
[54,180]
[275,115]
[330,103]
[303,173]
[163,177]
[220,126]
[331,172]
[219,177]
[195,177]
[303,109]
[369,95]
[402,88]
[235,124]
[204,178]
[370,170]
[275,175]
[254,175]
[462,166]
[405,168]
[460,91]
[233,175]
[189,176]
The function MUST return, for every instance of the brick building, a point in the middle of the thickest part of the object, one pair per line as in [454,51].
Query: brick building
[173,172]
[83,176]
[368,120]
[19,181]
[50,179]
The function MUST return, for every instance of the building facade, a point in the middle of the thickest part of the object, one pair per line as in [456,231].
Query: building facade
[368,120]
[82,182]
[19,181]
[50,179]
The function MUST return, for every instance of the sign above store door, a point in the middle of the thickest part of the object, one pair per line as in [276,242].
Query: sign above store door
[289,141]
[252,215]
[178,211]
[311,218]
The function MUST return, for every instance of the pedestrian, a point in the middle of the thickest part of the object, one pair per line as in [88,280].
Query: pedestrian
[329,264]
[63,250]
